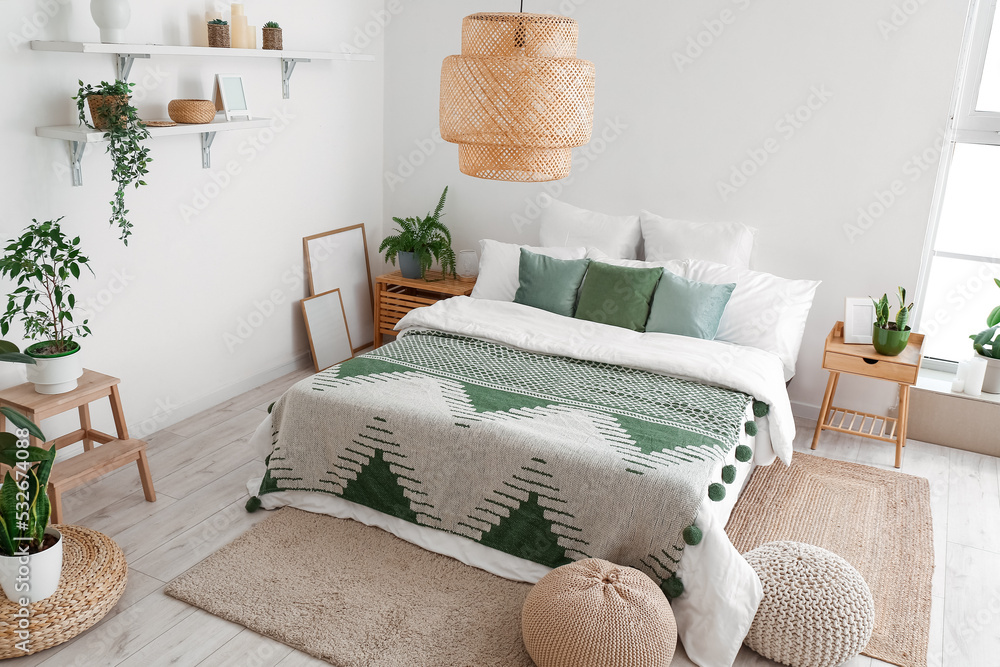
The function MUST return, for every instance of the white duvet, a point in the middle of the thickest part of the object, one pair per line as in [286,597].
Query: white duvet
[721,590]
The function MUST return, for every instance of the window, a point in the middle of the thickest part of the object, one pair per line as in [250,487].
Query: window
[962,258]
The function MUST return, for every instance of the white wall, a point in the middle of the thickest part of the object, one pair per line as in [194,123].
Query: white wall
[203,303]
[668,131]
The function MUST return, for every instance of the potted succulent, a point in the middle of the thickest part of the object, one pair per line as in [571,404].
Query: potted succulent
[890,337]
[218,34]
[987,345]
[272,36]
[111,111]
[42,261]
[419,242]
[30,550]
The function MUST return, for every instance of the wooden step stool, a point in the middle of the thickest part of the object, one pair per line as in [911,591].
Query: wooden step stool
[113,453]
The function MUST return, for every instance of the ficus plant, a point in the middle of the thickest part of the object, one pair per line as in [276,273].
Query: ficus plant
[882,312]
[125,133]
[41,262]
[427,238]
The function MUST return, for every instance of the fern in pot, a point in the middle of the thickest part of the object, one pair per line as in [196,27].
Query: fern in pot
[111,111]
[42,262]
[987,344]
[890,337]
[419,242]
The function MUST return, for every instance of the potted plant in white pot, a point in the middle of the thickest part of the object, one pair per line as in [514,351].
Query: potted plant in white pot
[891,337]
[31,551]
[42,261]
[420,242]
[987,345]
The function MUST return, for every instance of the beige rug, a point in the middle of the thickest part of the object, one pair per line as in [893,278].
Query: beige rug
[357,596]
[878,520]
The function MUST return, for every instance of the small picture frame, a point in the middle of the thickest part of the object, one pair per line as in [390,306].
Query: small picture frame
[326,327]
[859,316]
[231,97]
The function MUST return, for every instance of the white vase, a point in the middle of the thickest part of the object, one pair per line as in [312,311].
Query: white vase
[32,577]
[991,383]
[112,17]
[54,375]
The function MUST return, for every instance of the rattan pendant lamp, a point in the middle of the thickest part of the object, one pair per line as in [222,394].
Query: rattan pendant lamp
[517,100]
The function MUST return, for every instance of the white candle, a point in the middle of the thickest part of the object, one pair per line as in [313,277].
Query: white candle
[957,386]
[977,373]
[236,9]
[239,31]
[251,37]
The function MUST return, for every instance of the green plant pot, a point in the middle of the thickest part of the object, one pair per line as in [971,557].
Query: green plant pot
[889,343]
[409,266]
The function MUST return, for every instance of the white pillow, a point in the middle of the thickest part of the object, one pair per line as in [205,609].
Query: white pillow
[765,311]
[566,226]
[723,242]
[677,267]
[498,267]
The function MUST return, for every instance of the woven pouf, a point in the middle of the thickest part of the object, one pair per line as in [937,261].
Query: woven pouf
[817,610]
[593,613]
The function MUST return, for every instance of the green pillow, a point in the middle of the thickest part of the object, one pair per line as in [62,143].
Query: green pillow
[617,295]
[688,308]
[549,283]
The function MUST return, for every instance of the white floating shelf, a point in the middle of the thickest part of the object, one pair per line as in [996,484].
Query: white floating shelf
[79,136]
[125,55]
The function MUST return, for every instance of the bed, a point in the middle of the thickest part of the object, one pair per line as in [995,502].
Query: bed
[473,377]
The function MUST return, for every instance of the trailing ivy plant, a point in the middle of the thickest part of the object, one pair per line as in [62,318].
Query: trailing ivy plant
[882,312]
[427,238]
[42,261]
[124,133]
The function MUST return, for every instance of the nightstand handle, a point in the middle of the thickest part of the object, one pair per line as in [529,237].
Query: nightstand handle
[870,361]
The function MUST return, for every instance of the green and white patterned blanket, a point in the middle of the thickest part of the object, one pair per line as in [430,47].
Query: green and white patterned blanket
[547,458]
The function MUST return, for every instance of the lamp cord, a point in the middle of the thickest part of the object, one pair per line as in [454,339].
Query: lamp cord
[522,6]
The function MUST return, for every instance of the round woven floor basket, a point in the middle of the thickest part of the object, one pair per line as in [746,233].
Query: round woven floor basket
[93,579]
[191,111]
[99,106]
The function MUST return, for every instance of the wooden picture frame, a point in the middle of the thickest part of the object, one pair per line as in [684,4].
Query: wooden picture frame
[338,259]
[326,326]
[231,96]
[859,316]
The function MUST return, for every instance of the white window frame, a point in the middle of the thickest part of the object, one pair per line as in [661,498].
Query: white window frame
[966,125]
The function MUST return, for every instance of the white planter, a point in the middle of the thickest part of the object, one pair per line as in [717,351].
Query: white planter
[54,375]
[112,17]
[991,385]
[33,577]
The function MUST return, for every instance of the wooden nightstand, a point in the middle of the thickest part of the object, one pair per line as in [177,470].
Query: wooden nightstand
[839,357]
[395,296]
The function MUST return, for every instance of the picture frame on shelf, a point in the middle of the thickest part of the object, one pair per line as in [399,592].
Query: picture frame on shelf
[326,327]
[231,96]
[338,259]
[859,316]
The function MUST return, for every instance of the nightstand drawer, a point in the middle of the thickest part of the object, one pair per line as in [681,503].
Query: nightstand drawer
[876,368]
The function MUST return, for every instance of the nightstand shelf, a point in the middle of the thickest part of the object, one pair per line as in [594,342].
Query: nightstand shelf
[395,296]
[840,357]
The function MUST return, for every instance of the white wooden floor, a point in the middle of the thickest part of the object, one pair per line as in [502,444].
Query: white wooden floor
[200,467]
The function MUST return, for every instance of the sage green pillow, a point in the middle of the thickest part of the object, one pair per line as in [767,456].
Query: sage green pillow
[617,295]
[549,283]
[688,308]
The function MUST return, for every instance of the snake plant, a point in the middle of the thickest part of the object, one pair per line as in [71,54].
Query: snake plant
[882,312]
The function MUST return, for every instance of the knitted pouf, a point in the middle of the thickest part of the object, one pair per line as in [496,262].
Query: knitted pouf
[817,610]
[593,613]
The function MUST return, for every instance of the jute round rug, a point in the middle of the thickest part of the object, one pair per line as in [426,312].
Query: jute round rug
[878,520]
[357,596]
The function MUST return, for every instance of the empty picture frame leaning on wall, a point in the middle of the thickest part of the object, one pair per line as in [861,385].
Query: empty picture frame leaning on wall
[339,260]
[859,316]
[326,326]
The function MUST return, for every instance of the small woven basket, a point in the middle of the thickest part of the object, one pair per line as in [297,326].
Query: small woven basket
[272,39]
[99,105]
[218,35]
[191,111]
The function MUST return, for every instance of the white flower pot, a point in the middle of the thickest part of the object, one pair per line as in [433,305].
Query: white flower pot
[32,577]
[991,385]
[112,17]
[54,375]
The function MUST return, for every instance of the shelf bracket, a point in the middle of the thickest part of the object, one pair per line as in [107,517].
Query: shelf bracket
[206,149]
[123,64]
[76,149]
[287,67]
